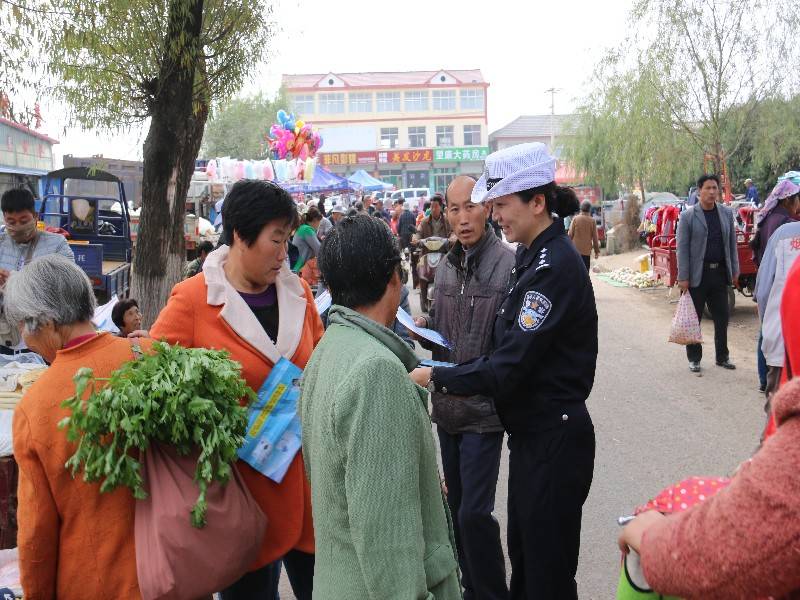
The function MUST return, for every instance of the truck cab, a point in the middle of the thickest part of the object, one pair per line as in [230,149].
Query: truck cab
[91,207]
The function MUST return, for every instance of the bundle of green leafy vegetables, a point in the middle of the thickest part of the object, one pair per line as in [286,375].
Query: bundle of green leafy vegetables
[185,397]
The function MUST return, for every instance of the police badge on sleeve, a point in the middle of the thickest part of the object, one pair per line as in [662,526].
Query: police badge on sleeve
[535,308]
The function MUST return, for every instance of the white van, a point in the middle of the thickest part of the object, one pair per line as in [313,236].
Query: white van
[411,194]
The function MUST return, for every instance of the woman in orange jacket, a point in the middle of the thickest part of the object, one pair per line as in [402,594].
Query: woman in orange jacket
[248,302]
[74,542]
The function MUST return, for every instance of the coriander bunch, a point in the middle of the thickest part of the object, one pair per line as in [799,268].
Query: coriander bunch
[185,397]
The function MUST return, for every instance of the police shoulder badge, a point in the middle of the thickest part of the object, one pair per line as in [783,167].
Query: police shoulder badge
[534,311]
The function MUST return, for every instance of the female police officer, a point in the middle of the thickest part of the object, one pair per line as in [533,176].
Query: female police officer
[540,372]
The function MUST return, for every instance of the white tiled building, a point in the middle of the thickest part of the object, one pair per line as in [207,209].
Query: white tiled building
[413,129]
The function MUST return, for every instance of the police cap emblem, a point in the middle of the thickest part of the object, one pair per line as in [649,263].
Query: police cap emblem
[535,309]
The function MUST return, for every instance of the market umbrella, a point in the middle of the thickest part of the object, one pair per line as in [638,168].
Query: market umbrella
[325,181]
[367,182]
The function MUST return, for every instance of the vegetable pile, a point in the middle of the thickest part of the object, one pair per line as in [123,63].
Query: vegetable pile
[187,398]
[634,278]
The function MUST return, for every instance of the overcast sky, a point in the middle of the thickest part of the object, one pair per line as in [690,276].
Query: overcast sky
[523,48]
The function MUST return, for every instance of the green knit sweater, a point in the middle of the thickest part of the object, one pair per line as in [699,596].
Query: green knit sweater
[381,523]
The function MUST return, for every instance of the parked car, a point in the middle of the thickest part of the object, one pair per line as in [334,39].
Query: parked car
[411,194]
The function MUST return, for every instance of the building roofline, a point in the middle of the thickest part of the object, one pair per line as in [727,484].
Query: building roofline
[500,133]
[343,76]
[385,86]
[28,130]
[376,72]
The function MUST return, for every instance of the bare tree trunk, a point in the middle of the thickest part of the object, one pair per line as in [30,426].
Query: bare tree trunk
[171,147]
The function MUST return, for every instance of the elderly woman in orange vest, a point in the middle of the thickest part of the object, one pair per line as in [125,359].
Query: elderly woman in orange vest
[248,301]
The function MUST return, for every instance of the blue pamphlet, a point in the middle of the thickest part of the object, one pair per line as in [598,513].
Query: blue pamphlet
[323,301]
[273,434]
[425,362]
[429,334]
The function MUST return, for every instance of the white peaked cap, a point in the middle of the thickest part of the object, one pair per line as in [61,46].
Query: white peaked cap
[514,169]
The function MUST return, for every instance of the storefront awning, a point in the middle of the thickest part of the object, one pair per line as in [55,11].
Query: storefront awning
[22,171]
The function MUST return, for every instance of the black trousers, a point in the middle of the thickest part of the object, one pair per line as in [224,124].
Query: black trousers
[587,261]
[713,290]
[550,474]
[471,464]
[262,584]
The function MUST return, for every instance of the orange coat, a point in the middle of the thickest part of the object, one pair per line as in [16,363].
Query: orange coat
[205,311]
[74,542]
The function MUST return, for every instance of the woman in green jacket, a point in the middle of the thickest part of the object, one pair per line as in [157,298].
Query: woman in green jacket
[381,524]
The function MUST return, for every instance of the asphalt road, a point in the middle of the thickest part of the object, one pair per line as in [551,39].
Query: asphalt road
[655,422]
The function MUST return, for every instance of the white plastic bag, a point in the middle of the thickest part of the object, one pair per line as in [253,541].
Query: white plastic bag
[685,328]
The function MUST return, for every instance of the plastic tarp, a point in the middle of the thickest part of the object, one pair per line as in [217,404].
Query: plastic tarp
[367,182]
[323,181]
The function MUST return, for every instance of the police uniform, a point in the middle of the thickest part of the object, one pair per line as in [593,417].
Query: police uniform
[540,374]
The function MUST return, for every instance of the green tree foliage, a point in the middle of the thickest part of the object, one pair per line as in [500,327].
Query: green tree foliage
[711,62]
[623,139]
[18,62]
[694,78]
[114,63]
[771,144]
[238,127]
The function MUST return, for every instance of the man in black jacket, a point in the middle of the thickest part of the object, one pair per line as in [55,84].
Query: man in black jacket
[470,285]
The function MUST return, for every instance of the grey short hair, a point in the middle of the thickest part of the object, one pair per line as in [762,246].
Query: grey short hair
[586,206]
[50,289]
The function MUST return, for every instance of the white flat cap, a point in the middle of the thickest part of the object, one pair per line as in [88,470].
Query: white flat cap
[514,169]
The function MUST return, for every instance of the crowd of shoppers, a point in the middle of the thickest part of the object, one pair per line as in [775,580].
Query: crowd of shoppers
[362,511]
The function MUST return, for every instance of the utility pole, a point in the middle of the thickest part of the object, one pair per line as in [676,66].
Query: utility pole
[552,91]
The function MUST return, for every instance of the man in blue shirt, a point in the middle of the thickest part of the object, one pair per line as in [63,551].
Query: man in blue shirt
[20,244]
[752,192]
[22,241]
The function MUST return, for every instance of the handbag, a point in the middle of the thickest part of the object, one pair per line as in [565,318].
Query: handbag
[174,560]
[685,327]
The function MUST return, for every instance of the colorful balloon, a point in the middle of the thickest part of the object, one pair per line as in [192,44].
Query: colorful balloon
[303,153]
[283,116]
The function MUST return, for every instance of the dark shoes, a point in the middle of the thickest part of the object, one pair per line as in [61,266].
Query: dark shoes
[694,367]
[726,364]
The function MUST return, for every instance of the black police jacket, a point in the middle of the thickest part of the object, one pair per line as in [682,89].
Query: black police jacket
[545,340]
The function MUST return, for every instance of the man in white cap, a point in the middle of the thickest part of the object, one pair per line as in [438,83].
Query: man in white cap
[337,214]
[539,373]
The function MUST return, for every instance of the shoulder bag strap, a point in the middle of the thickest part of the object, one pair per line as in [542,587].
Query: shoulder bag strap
[136,348]
[31,248]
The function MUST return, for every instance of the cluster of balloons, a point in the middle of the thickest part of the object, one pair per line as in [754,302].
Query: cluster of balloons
[293,138]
